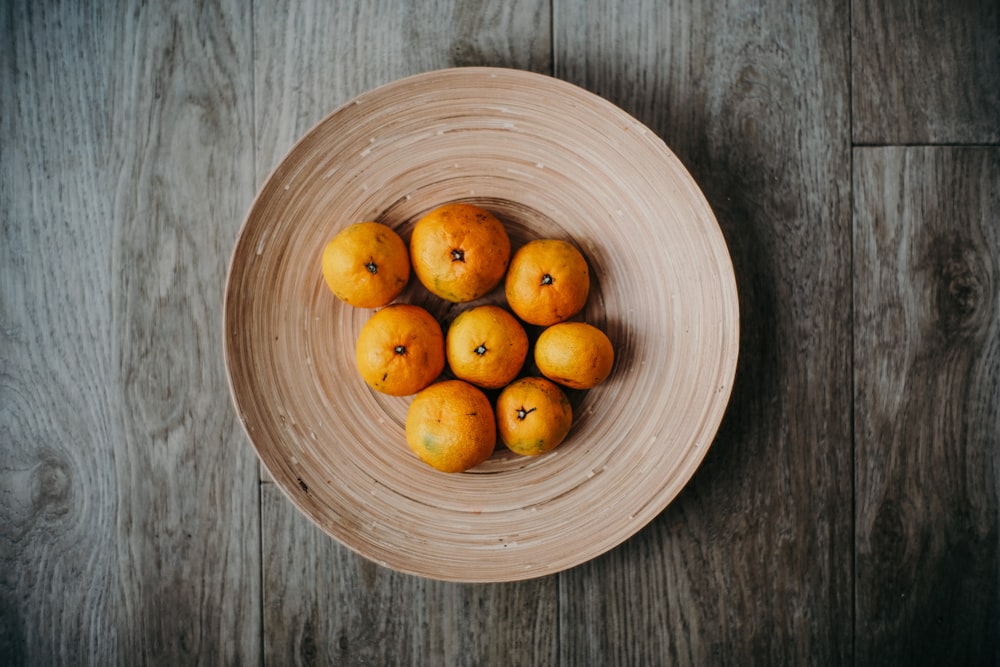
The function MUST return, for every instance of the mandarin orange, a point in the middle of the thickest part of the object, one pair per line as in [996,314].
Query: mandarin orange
[400,350]
[486,346]
[459,251]
[548,282]
[450,426]
[574,354]
[533,416]
[366,265]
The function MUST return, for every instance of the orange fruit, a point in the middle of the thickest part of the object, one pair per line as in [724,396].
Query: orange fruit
[486,346]
[533,416]
[366,265]
[548,282]
[400,350]
[450,426]
[459,251]
[574,354]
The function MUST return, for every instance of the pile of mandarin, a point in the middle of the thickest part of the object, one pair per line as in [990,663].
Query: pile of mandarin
[461,252]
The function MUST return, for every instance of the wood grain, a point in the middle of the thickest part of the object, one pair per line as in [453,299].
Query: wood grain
[188,509]
[132,138]
[752,563]
[927,368]
[130,502]
[58,489]
[326,605]
[188,502]
[926,71]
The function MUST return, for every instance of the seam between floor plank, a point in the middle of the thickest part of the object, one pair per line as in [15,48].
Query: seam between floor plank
[854,323]
[262,659]
[924,145]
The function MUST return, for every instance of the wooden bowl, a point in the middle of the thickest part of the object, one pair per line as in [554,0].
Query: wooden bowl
[551,160]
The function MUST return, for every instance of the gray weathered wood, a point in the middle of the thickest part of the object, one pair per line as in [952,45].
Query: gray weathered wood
[927,363]
[324,604]
[188,545]
[752,563]
[130,525]
[133,526]
[926,71]
[58,571]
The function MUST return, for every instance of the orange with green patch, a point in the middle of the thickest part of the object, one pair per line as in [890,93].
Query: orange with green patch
[450,426]
[459,251]
[533,416]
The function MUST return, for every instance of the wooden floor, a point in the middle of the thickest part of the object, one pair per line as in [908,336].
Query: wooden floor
[848,512]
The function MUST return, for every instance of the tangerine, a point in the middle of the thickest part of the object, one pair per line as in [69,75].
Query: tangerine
[486,346]
[533,416]
[400,350]
[574,354]
[366,265]
[548,282]
[450,426]
[459,251]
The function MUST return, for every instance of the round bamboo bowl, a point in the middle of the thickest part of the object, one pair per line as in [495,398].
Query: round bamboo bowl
[550,160]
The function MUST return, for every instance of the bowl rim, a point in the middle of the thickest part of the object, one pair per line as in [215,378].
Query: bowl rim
[715,417]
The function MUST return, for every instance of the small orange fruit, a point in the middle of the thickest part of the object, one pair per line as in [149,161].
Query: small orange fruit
[400,350]
[459,251]
[533,416]
[548,282]
[366,265]
[574,354]
[486,346]
[450,426]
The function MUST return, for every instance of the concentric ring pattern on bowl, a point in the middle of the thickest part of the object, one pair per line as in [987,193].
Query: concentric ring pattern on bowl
[551,160]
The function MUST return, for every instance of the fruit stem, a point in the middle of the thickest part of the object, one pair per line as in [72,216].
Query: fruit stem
[547,279]
[522,413]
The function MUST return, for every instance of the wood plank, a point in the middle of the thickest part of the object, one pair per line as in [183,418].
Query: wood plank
[180,175]
[326,605]
[130,504]
[927,368]
[58,572]
[752,563]
[188,512]
[926,71]
[323,603]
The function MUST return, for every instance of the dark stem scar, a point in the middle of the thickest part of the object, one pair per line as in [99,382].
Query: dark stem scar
[481,350]
[399,349]
[371,266]
[457,255]
[522,413]
[547,279]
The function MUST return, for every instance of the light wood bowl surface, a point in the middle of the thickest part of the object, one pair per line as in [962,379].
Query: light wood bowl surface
[550,160]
